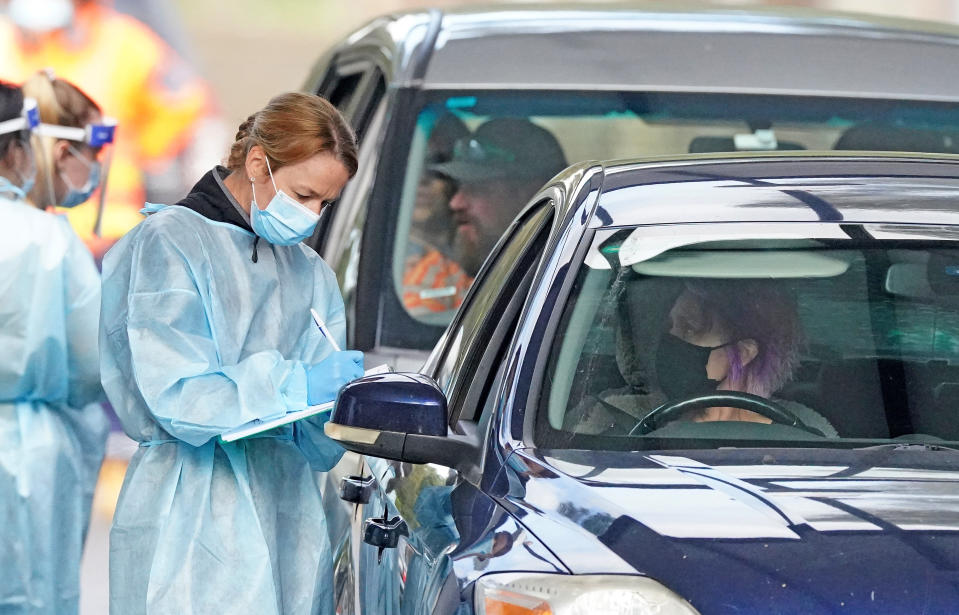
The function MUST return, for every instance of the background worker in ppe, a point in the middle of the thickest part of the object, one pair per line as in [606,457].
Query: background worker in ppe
[167,112]
[68,170]
[206,326]
[52,427]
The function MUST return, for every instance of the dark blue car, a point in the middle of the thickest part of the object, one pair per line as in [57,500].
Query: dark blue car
[690,385]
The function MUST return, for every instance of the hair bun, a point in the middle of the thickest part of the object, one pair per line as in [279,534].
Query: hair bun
[244,130]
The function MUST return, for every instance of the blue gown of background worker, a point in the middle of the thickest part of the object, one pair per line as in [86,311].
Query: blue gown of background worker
[52,427]
[204,328]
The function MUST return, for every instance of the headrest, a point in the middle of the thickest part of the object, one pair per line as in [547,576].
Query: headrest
[879,137]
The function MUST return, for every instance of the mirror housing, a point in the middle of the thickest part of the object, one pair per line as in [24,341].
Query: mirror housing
[399,416]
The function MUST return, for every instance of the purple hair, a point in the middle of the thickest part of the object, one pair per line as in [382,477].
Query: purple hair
[759,310]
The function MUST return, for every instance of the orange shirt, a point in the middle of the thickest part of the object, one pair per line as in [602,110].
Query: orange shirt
[136,78]
[432,282]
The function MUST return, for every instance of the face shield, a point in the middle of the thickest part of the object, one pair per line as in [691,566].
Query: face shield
[98,139]
[25,124]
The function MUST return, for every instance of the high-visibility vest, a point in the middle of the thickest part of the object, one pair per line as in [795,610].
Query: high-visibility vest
[432,282]
[136,78]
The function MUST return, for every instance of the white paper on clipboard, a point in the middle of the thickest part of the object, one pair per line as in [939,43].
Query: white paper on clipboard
[258,426]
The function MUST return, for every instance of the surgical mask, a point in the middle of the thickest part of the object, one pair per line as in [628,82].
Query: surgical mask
[41,15]
[8,187]
[681,368]
[75,196]
[285,221]
[29,181]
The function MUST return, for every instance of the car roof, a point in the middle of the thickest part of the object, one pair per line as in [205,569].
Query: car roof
[656,48]
[836,187]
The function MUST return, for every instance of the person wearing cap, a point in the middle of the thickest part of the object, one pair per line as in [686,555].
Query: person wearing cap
[497,170]
[52,427]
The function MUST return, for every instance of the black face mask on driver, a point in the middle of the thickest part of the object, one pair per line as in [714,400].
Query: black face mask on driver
[681,368]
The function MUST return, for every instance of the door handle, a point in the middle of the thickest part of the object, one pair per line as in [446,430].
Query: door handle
[384,533]
[356,489]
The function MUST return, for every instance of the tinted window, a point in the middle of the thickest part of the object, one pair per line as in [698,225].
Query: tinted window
[343,89]
[355,88]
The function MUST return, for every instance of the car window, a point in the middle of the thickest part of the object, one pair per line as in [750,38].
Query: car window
[492,306]
[848,339]
[475,158]
[355,87]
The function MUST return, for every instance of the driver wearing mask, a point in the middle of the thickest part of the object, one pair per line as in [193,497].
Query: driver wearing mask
[720,335]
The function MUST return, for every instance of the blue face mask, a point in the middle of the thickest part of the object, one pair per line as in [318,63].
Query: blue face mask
[76,196]
[29,181]
[284,222]
[8,187]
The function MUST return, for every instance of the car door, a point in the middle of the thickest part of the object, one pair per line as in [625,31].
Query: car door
[419,502]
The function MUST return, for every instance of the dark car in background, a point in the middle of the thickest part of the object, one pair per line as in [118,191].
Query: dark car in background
[542,461]
[606,81]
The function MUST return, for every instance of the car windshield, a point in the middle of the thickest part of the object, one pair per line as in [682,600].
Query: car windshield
[477,157]
[814,334]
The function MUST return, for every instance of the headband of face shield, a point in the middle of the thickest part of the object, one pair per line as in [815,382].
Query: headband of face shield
[96,136]
[27,122]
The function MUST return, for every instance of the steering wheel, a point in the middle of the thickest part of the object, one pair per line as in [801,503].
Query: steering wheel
[672,410]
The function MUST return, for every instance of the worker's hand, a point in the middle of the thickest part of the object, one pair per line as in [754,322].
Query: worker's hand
[324,379]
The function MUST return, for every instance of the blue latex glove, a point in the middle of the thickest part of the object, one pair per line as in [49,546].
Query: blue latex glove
[324,379]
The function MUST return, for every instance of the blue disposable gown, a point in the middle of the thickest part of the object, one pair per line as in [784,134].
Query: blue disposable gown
[52,427]
[197,339]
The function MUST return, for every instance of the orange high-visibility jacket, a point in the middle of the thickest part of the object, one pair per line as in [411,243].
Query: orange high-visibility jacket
[136,78]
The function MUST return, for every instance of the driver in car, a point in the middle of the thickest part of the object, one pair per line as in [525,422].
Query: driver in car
[720,335]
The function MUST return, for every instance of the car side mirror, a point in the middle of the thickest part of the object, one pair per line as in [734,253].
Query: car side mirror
[400,416]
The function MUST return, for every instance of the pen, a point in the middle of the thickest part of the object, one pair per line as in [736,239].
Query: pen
[326,332]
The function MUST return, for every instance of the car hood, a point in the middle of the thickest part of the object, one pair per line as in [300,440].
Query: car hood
[746,530]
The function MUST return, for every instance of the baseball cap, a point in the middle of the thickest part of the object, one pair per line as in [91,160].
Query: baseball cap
[505,148]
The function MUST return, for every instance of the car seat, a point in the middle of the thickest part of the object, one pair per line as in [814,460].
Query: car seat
[848,393]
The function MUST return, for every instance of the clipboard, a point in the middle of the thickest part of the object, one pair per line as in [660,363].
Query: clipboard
[257,426]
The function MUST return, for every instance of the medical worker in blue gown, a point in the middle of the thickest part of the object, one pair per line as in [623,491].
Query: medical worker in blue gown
[206,326]
[52,426]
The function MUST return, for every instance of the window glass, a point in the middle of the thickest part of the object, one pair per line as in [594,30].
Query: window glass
[470,336]
[477,158]
[845,339]
[355,89]
[343,90]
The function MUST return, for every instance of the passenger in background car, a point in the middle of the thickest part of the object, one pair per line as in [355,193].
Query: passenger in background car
[432,280]
[497,170]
